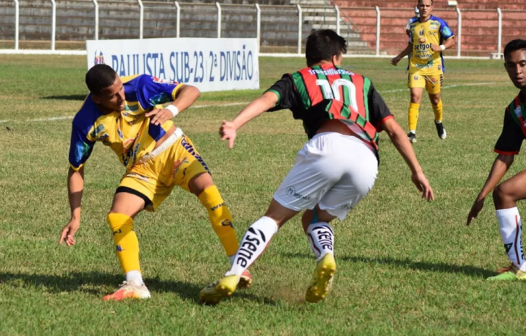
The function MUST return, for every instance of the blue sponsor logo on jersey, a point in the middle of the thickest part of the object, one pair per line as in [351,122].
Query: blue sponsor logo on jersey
[446,31]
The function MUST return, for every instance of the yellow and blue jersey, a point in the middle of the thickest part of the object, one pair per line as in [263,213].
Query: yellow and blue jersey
[422,34]
[128,133]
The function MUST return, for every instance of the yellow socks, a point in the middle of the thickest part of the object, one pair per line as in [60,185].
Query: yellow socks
[438,111]
[220,218]
[413,116]
[126,242]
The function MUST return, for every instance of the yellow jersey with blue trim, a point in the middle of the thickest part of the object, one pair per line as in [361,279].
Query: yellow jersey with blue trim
[128,132]
[422,34]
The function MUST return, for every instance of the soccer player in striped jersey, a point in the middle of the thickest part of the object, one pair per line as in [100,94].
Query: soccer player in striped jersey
[506,194]
[342,114]
[127,115]
[429,36]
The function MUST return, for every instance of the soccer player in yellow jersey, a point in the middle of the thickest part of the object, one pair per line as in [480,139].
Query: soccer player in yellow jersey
[126,115]
[429,36]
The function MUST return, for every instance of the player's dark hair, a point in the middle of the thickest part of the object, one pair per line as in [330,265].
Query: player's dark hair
[322,45]
[420,2]
[99,77]
[514,45]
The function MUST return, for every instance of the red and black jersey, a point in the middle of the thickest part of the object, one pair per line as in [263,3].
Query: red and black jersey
[513,129]
[326,92]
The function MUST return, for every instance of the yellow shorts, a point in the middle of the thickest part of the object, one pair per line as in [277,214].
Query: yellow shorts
[157,177]
[432,83]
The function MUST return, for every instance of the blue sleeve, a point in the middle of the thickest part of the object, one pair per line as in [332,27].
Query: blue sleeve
[80,148]
[445,31]
[153,91]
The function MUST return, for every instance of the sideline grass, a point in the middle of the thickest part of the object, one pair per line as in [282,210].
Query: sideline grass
[404,266]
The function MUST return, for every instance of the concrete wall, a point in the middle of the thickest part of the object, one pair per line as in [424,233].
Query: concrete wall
[120,20]
[479,26]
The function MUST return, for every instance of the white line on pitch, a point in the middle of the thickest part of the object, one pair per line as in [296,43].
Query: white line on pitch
[71,117]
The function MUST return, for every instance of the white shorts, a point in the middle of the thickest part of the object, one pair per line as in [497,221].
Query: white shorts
[333,171]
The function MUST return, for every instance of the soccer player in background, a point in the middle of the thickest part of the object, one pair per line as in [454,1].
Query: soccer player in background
[429,37]
[124,115]
[506,194]
[342,114]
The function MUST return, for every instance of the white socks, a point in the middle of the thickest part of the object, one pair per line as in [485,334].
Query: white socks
[321,238]
[135,277]
[253,244]
[510,230]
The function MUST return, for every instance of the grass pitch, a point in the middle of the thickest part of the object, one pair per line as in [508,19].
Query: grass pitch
[404,266]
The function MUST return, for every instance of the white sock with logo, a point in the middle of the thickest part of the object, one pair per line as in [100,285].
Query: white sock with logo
[253,244]
[321,239]
[510,230]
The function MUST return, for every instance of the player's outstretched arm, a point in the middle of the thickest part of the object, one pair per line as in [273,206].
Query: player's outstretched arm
[75,189]
[500,166]
[404,53]
[402,144]
[184,98]
[228,129]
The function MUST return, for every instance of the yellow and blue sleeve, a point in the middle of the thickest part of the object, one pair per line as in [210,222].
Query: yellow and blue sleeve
[80,148]
[152,91]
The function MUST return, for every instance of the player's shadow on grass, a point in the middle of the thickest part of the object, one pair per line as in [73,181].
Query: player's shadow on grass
[472,271]
[95,283]
[70,97]
[100,284]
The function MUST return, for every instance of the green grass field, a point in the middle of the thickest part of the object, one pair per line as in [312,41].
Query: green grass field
[404,266]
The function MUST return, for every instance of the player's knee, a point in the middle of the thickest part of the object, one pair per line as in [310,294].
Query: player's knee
[501,194]
[200,183]
[415,99]
[435,100]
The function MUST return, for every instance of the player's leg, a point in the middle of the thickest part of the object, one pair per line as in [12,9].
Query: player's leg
[188,170]
[359,168]
[127,203]
[321,238]
[434,85]
[254,242]
[220,217]
[416,85]
[505,197]
[301,189]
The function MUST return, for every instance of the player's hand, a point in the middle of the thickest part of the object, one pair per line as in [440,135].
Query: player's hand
[227,131]
[160,116]
[422,184]
[475,209]
[68,233]
[435,48]
[395,60]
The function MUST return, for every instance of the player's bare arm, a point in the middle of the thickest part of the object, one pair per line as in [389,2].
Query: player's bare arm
[184,98]
[404,147]
[228,129]
[450,43]
[75,189]
[500,166]
[408,50]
